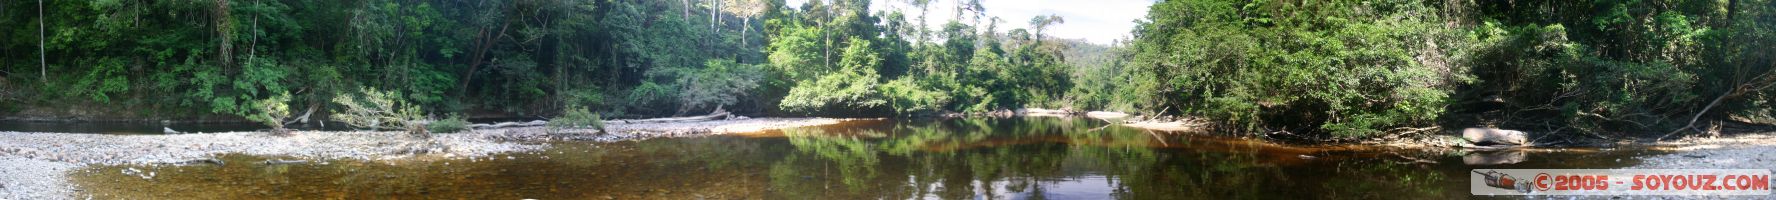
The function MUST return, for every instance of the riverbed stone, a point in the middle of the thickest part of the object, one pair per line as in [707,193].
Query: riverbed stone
[1491,136]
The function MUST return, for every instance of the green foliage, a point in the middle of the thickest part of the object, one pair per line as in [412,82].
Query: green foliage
[379,110]
[1620,66]
[624,57]
[1342,68]
[272,111]
[1346,68]
[852,86]
[719,83]
[577,117]
[513,57]
[839,62]
[451,124]
[907,96]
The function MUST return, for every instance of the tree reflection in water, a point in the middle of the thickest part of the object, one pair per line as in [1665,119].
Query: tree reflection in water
[1039,158]
[1009,158]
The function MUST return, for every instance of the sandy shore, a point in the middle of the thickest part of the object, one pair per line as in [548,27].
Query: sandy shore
[1744,151]
[34,165]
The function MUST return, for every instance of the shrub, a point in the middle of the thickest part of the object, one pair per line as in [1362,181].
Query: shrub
[720,83]
[577,117]
[379,110]
[448,125]
[272,112]
[908,97]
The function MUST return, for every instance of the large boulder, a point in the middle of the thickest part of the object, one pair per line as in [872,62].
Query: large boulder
[1491,136]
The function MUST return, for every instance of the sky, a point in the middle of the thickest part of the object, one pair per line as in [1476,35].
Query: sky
[1096,21]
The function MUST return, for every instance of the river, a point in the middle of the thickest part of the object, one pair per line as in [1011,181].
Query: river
[971,158]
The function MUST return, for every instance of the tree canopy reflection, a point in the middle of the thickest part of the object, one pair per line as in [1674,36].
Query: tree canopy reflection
[1039,157]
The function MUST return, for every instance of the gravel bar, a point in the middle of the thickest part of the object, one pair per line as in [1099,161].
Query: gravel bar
[35,165]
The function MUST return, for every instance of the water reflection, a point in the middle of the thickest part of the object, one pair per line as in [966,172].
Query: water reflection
[1017,158]
[1057,158]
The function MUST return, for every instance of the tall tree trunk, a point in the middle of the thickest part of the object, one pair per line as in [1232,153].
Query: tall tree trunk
[484,43]
[42,62]
[825,47]
[713,16]
[1732,6]
[923,31]
[746,25]
[253,46]
[223,29]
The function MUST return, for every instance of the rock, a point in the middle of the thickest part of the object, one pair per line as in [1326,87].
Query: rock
[1489,136]
[215,161]
[1495,158]
[1106,115]
[284,162]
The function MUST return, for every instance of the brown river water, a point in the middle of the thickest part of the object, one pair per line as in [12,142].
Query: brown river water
[1010,158]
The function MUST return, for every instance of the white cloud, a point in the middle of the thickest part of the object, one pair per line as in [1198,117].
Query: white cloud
[1097,21]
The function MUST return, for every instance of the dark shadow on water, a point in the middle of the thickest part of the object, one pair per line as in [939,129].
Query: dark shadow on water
[1017,158]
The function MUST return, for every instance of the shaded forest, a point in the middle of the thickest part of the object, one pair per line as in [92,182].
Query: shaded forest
[519,58]
[1599,68]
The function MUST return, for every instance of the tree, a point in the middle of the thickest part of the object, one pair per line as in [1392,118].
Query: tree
[746,10]
[924,8]
[272,112]
[719,83]
[42,61]
[853,86]
[1265,67]
[379,110]
[1041,22]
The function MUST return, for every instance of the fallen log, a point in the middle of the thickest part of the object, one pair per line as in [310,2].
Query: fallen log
[1043,112]
[202,161]
[1106,115]
[1489,136]
[718,114]
[285,162]
[509,125]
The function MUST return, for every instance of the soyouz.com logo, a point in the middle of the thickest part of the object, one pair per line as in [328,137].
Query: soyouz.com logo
[1620,182]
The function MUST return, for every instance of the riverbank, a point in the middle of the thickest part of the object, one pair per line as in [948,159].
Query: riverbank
[34,165]
[1740,151]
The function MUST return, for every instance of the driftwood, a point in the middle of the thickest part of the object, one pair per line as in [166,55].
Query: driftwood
[718,114]
[1041,111]
[285,162]
[509,124]
[305,114]
[202,161]
[1485,136]
[1106,115]
[1768,78]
